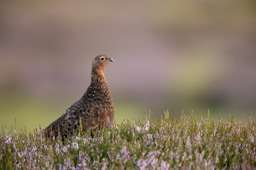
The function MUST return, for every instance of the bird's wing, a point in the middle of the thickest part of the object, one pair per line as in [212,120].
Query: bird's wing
[87,116]
[68,123]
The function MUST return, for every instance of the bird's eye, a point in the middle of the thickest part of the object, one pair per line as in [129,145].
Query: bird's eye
[102,58]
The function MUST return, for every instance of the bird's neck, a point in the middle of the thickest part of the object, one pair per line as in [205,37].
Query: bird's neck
[98,77]
[98,85]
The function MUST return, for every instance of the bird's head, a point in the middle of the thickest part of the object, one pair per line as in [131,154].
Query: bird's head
[99,63]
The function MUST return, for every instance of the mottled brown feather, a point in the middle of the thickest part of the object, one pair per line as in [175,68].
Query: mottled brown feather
[94,110]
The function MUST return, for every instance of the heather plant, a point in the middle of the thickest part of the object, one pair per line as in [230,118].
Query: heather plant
[187,143]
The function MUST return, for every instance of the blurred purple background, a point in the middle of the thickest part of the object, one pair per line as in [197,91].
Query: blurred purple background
[187,55]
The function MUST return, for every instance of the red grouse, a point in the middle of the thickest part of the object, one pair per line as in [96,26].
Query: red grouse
[93,111]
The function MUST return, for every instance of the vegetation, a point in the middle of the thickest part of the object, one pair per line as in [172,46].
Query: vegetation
[187,142]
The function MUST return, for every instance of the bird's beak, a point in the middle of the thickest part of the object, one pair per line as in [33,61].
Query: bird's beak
[110,59]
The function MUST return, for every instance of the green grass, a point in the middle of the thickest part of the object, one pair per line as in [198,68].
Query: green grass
[187,143]
[19,112]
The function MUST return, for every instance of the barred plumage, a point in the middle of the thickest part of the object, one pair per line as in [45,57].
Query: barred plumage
[94,110]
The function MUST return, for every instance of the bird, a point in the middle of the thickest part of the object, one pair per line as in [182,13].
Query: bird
[94,110]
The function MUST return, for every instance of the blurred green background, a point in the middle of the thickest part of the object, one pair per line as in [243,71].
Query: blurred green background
[175,55]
